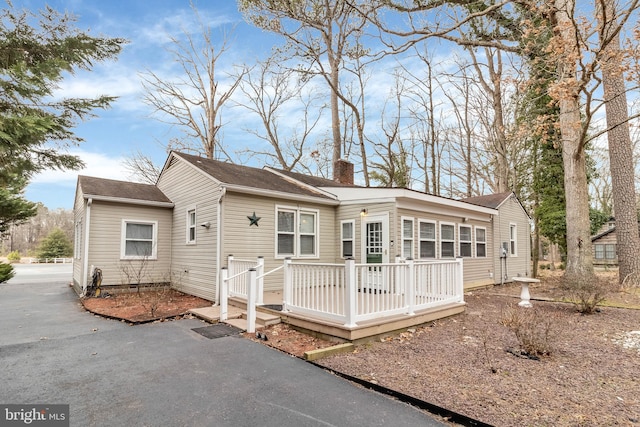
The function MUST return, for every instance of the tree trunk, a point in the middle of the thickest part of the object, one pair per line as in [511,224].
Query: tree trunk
[579,254]
[620,147]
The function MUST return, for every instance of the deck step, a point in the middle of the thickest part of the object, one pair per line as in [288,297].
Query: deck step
[212,313]
[235,317]
[264,319]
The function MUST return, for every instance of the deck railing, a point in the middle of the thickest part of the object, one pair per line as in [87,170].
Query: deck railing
[237,281]
[348,293]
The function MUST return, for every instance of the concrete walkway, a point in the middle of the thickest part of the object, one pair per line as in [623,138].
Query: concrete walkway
[164,374]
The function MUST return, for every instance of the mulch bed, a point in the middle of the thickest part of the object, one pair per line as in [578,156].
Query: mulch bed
[136,307]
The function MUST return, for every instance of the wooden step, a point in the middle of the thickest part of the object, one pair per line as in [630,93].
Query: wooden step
[212,313]
[262,320]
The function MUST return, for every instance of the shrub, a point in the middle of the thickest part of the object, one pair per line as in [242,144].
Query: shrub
[6,272]
[56,245]
[534,329]
[14,257]
[586,292]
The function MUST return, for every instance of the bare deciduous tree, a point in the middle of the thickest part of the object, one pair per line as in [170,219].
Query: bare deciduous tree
[323,33]
[194,100]
[273,90]
[619,138]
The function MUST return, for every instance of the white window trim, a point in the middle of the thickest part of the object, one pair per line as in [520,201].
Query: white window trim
[154,242]
[434,240]
[403,238]
[188,226]
[77,243]
[296,232]
[475,233]
[470,241]
[440,241]
[352,239]
[513,239]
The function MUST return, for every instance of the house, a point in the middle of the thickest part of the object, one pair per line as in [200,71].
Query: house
[510,234]
[200,211]
[605,245]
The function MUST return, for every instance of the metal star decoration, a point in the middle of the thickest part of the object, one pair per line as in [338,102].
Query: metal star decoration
[253,220]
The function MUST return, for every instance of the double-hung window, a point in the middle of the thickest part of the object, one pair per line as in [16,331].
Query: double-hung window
[464,233]
[599,251]
[427,235]
[139,239]
[447,240]
[481,242]
[513,240]
[297,233]
[191,226]
[610,251]
[407,237]
[347,238]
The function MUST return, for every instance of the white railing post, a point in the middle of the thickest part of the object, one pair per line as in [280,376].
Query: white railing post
[459,280]
[288,284]
[410,287]
[224,294]
[398,276]
[251,300]
[351,294]
[260,284]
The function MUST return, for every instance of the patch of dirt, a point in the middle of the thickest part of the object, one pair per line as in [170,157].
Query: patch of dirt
[471,363]
[136,307]
[287,339]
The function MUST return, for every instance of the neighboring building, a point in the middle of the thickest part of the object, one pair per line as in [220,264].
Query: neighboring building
[200,211]
[605,245]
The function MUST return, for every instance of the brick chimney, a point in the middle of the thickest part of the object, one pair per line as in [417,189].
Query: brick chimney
[343,172]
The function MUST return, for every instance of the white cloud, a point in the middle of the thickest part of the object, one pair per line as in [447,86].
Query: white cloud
[96,164]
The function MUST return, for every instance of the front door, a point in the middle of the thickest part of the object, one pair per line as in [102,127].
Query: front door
[376,251]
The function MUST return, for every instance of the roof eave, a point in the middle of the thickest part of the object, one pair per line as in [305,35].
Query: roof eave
[154,203]
[280,194]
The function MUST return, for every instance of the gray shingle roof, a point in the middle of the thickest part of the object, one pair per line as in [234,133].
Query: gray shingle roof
[313,180]
[245,176]
[120,189]
[489,201]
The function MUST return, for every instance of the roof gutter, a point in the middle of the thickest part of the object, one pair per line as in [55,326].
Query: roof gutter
[112,199]
[223,192]
[85,261]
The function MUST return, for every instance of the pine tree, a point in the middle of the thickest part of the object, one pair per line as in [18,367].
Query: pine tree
[56,245]
[36,126]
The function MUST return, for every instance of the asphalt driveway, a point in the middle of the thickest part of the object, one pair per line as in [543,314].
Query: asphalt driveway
[165,374]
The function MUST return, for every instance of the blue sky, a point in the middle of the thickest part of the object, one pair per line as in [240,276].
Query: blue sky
[128,126]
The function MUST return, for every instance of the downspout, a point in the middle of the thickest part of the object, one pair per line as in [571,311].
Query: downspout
[223,191]
[85,263]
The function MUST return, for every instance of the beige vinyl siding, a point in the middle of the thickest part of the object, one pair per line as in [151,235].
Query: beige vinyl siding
[79,214]
[193,266]
[353,212]
[510,212]
[245,241]
[477,271]
[105,242]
